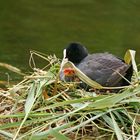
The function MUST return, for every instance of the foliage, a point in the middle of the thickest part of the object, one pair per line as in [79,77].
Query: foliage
[43,107]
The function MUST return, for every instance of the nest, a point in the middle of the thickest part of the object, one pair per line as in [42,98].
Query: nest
[43,107]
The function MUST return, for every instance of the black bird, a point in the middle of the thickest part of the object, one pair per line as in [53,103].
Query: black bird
[104,68]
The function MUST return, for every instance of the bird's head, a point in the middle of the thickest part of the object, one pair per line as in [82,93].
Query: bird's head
[75,52]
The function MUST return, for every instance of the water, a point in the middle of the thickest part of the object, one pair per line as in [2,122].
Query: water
[48,26]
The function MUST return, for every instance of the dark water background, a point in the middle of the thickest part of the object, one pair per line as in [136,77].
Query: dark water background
[49,25]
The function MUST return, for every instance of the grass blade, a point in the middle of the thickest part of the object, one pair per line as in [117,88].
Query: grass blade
[58,135]
[117,130]
[6,134]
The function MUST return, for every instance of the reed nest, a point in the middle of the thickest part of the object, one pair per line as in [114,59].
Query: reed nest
[42,107]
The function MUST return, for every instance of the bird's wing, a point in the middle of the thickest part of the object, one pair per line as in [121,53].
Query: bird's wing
[104,68]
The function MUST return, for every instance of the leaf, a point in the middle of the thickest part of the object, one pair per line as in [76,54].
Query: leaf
[30,99]
[11,68]
[67,102]
[58,135]
[6,134]
[138,137]
[120,117]
[98,115]
[130,57]
[108,120]
[44,134]
[34,92]
[110,101]
[116,128]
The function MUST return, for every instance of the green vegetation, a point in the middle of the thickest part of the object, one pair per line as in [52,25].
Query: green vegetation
[41,107]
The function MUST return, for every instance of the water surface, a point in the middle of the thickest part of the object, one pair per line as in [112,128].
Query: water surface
[48,26]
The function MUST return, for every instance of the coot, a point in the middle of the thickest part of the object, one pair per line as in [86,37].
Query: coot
[104,68]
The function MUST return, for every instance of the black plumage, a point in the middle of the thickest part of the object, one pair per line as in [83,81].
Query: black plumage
[103,68]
